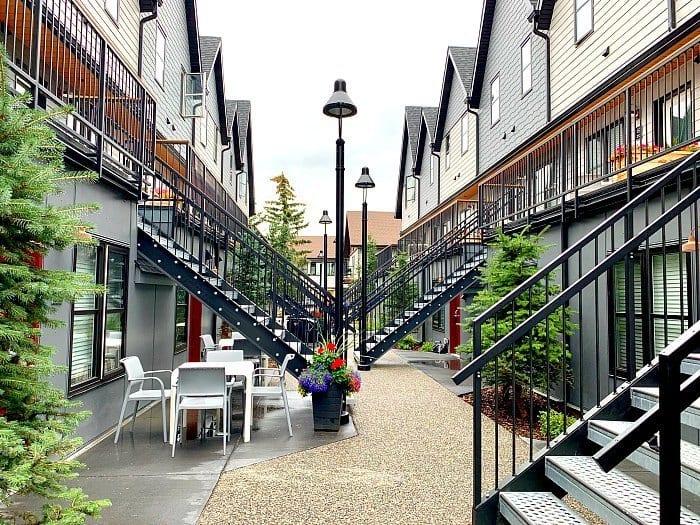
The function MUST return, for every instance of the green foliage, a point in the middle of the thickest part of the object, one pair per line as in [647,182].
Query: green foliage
[248,276]
[403,296]
[427,346]
[513,261]
[407,343]
[371,262]
[556,422]
[35,418]
[284,218]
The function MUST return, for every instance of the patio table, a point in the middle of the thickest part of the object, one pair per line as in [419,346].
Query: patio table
[234,368]
[229,341]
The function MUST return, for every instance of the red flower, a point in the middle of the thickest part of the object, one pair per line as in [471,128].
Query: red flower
[337,363]
[321,350]
[331,346]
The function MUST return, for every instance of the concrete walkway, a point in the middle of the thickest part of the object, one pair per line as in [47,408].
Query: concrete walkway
[410,463]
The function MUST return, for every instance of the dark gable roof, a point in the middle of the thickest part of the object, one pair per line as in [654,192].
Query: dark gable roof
[430,116]
[232,131]
[544,9]
[193,35]
[212,63]
[243,114]
[427,130]
[482,51]
[409,140]
[245,134]
[209,47]
[459,60]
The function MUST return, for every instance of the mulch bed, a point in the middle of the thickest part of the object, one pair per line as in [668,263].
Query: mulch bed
[522,422]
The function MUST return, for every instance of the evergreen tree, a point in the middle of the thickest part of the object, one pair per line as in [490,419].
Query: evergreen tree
[284,218]
[513,261]
[35,418]
[403,296]
[371,261]
[247,273]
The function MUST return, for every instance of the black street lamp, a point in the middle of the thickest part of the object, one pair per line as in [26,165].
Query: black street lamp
[339,106]
[325,220]
[365,183]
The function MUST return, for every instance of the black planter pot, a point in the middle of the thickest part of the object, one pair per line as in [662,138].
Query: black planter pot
[327,406]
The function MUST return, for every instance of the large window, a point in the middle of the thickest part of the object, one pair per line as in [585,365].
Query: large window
[410,189]
[98,323]
[465,134]
[242,185]
[526,66]
[434,168]
[448,162]
[673,118]
[439,320]
[160,56]
[584,18]
[661,304]
[112,8]
[495,100]
[192,89]
[181,311]
[601,146]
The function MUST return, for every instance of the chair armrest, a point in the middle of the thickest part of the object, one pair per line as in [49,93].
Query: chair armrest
[162,386]
[255,374]
[157,372]
[266,368]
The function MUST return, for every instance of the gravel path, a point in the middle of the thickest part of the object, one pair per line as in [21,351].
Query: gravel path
[410,463]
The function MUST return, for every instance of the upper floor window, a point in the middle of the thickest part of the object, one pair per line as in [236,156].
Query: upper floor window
[465,134]
[495,100]
[192,93]
[410,189]
[447,152]
[584,18]
[112,8]
[242,185]
[526,66]
[160,55]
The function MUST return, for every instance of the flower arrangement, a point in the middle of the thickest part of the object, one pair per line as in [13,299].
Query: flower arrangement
[327,367]
[638,150]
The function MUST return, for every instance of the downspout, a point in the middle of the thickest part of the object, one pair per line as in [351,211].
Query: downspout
[142,23]
[437,156]
[476,141]
[535,15]
[671,15]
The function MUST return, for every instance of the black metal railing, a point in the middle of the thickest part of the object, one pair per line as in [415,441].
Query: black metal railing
[225,249]
[578,339]
[644,126]
[57,54]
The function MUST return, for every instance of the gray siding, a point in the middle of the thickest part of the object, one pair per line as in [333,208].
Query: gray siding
[428,193]
[410,209]
[526,114]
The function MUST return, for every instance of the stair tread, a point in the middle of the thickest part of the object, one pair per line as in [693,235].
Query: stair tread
[537,508]
[654,392]
[610,494]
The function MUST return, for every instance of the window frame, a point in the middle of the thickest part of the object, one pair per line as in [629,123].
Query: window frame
[464,123]
[185,307]
[156,70]
[438,320]
[186,93]
[411,185]
[524,92]
[448,160]
[242,182]
[109,5]
[496,101]
[578,39]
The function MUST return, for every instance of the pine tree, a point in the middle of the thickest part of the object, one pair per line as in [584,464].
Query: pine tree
[36,421]
[513,261]
[371,261]
[403,296]
[284,218]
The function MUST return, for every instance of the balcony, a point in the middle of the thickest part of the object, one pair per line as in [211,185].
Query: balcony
[641,128]
[58,56]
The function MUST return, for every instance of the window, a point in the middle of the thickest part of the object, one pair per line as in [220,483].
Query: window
[181,311]
[495,100]
[526,66]
[600,148]
[330,266]
[160,56]
[447,152]
[112,8]
[98,322]
[439,320]
[584,18]
[661,304]
[217,146]
[192,95]
[673,118]
[242,185]
[465,134]
[203,129]
[315,268]
[434,168]
[410,189]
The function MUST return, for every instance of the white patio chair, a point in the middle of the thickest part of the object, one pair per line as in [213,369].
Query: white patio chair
[135,377]
[201,389]
[274,391]
[206,344]
[228,356]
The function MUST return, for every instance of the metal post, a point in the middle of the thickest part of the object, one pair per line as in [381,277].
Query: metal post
[325,257]
[669,439]
[364,358]
[339,233]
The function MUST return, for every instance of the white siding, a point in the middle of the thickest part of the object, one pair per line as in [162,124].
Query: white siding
[627,27]
[685,9]
[410,209]
[122,36]
[206,153]
[463,166]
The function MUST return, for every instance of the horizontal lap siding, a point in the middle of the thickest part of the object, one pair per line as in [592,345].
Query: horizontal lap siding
[627,27]
[206,153]
[410,209]
[463,169]
[428,192]
[685,9]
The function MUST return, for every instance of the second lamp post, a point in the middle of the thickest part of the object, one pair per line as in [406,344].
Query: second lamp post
[365,183]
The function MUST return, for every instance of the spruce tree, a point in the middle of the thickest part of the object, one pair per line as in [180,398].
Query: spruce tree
[515,259]
[36,421]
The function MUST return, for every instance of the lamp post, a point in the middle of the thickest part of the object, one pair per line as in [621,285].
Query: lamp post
[365,183]
[339,106]
[325,220]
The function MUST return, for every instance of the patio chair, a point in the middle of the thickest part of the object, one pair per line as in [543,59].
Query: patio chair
[135,377]
[201,389]
[206,343]
[274,391]
[228,356]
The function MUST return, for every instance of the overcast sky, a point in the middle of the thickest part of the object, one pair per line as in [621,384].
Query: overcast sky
[284,57]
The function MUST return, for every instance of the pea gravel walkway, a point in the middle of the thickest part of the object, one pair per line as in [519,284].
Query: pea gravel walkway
[409,464]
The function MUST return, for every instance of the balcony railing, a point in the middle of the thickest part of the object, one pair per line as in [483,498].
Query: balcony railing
[641,128]
[55,53]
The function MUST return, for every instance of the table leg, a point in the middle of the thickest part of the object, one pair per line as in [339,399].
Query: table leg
[248,417]
[173,430]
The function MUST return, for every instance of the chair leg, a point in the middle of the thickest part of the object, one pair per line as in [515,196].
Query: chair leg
[165,420]
[177,420]
[133,419]
[286,409]
[121,419]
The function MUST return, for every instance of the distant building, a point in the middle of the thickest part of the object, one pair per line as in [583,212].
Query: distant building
[314,259]
[381,226]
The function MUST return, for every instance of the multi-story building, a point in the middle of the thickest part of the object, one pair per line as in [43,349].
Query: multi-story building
[315,258]
[382,228]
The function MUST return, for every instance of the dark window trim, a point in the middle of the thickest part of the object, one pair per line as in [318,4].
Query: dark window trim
[577,41]
[496,76]
[438,320]
[186,305]
[159,29]
[523,94]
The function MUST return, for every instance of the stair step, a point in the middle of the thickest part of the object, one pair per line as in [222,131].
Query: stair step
[602,432]
[250,308]
[536,508]
[614,496]
[691,364]
[645,398]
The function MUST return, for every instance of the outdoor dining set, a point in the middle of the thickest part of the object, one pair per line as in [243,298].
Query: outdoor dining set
[206,385]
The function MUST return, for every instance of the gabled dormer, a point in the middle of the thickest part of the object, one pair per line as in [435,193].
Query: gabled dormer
[427,165]
[455,132]
[407,193]
[245,182]
[510,79]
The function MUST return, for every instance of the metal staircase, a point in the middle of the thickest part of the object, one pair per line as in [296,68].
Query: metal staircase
[648,384]
[227,266]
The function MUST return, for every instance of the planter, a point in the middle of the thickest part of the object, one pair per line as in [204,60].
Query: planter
[327,406]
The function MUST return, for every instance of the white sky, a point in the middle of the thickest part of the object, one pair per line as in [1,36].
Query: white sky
[284,56]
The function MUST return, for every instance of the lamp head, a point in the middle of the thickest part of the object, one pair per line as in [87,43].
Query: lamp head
[325,219]
[339,105]
[691,244]
[365,182]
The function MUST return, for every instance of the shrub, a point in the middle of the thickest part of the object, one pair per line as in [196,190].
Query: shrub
[556,422]
[428,346]
[407,343]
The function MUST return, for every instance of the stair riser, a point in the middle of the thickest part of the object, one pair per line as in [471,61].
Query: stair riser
[690,417]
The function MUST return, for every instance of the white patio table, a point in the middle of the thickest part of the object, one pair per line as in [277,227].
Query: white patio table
[235,368]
